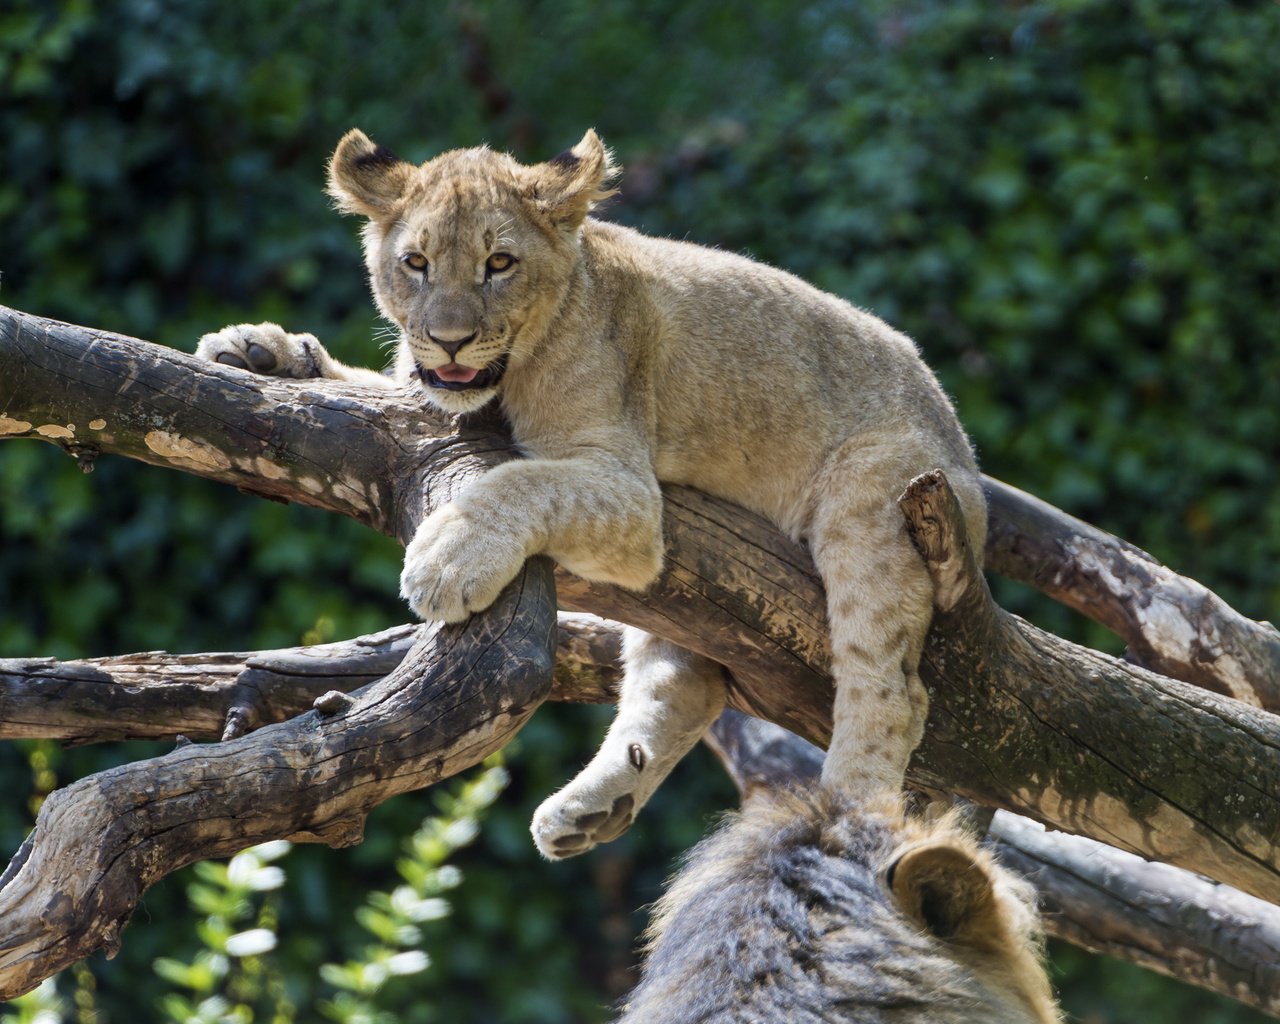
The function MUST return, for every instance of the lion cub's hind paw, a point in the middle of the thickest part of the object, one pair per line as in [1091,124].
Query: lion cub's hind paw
[264,348]
[568,830]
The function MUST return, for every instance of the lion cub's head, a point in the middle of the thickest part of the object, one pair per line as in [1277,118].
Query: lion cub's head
[470,253]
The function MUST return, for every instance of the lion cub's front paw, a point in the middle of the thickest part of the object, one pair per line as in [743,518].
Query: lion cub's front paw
[454,567]
[265,348]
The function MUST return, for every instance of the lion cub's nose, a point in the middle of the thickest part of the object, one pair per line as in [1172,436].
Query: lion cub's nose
[451,338]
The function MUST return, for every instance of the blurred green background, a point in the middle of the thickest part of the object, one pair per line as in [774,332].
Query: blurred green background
[1073,207]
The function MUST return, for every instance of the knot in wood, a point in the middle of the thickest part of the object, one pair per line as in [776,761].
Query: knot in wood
[332,703]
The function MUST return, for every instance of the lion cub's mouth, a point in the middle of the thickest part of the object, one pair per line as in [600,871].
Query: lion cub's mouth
[455,377]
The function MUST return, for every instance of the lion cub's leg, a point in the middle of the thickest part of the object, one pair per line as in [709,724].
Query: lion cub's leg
[669,698]
[269,349]
[879,603]
[595,513]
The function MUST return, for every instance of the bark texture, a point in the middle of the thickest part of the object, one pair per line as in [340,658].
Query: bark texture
[1101,899]
[160,696]
[1020,719]
[1173,625]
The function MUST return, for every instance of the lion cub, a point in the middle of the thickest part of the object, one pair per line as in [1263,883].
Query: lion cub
[622,361]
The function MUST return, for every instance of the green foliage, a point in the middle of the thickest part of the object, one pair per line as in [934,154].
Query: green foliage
[229,980]
[232,977]
[1071,207]
[394,918]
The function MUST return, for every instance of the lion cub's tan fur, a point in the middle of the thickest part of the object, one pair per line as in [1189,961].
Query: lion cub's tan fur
[621,361]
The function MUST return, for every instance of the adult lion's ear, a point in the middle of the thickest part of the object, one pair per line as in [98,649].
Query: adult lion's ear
[947,890]
[566,187]
[365,178]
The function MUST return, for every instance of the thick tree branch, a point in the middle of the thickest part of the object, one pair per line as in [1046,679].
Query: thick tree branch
[1071,737]
[160,696]
[460,693]
[91,392]
[1154,915]
[1020,719]
[1173,625]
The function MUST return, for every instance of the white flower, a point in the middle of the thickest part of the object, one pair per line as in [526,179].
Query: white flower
[410,962]
[461,832]
[246,869]
[252,942]
[406,903]
[265,879]
[274,850]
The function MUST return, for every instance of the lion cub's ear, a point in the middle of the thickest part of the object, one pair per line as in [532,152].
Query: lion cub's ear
[947,890]
[364,178]
[566,187]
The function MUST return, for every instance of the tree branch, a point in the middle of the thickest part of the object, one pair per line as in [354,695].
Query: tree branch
[1082,742]
[1153,915]
[160,696]
[1173,625]
[99,843]
[1020,719]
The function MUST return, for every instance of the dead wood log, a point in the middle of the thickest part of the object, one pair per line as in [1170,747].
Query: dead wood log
[159,696]
[1020,718]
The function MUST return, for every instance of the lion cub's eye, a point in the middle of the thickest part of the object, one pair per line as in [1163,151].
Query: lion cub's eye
[414,260]
[499,262]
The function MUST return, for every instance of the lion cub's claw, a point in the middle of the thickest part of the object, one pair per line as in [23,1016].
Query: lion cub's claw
[446,595]
[264,348]
[562,833]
